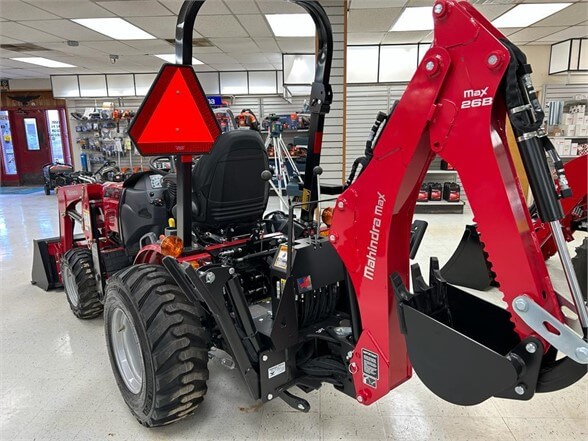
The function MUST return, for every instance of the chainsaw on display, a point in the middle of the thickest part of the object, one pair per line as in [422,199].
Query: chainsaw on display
[185,264]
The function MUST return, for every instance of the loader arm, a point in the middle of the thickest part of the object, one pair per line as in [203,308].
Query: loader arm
[453,107]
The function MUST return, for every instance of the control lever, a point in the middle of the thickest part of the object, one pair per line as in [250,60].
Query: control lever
[317,172]
[266,176]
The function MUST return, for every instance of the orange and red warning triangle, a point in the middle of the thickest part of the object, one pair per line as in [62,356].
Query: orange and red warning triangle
[175,117]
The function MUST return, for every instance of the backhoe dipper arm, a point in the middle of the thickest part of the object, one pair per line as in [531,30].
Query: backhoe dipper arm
[453,107]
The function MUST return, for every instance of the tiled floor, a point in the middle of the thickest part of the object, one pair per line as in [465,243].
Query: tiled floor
[56,382]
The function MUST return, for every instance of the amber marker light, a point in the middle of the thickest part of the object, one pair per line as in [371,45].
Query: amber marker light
[327,216]
[172,246]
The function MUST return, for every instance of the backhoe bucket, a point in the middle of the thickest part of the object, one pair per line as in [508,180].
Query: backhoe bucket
[45,272]
[468,265]
[465,349]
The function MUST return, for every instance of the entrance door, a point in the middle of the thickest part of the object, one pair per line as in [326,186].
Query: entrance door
[31,145]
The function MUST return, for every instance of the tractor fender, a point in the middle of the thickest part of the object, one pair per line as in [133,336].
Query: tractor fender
[150,254]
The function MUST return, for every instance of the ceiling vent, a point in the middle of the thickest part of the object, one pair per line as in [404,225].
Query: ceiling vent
[22,47]
[196,42]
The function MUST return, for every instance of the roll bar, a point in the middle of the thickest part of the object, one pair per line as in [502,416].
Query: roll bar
[320,103]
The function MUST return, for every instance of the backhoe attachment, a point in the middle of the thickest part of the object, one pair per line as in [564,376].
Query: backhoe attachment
[464,348]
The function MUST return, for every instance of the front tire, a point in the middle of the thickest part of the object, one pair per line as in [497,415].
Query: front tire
[79,283]
[160,363]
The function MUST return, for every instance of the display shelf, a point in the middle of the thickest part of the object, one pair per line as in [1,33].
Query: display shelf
[441,172]
[432,207]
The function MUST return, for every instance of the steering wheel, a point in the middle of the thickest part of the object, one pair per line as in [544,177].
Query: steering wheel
[166,166]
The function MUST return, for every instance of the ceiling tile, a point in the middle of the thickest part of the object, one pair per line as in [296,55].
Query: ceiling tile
[20,73]
[250,57]
[278,7]
[242,45]
[255,25]
[493,11]
[203,68]
[535,32]
[219,26]
[110,47]
[74,9]
[361,20]
[571,32]
[24,33]
[239,7]
[376,4]
[206,50]
[267,44]
[214,7]
[216,59]
[571,15]
[273,58]
[365,38]
[225,67]
[6,40]
[210,7]
[23,11]
[510,31]
[296,44]
[405,37]
[161,27]
[258,66]
[66,30]
[151,46]
[135,8]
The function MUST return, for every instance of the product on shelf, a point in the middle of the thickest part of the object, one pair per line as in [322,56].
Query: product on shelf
[423,193]
[435,191]
[451,192]
[446,165]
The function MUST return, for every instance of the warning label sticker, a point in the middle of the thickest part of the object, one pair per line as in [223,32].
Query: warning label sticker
[370,367]
[276,370]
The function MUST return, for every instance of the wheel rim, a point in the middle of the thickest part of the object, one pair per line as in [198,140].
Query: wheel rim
[127,350]
[71,287]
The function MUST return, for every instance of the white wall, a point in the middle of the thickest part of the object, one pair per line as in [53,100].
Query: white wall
[538,57]
[30,84]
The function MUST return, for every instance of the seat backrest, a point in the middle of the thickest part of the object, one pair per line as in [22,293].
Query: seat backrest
[227,189]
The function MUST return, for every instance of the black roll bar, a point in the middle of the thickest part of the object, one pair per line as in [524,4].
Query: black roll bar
[320,103]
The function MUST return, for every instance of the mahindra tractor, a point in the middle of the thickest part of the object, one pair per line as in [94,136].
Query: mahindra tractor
[183,263]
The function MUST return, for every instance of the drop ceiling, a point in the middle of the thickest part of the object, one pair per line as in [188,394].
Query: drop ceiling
[237,30]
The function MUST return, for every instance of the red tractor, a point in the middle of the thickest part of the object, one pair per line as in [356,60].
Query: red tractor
[294,305]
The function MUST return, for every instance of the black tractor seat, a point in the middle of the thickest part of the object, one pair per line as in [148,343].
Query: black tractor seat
[227,190]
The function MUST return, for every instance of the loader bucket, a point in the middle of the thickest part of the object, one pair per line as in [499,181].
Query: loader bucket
[45,272]
[468,265]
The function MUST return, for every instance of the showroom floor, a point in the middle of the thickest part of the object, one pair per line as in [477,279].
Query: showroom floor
[56,382]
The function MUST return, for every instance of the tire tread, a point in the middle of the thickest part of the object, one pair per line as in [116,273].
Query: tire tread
[177,342]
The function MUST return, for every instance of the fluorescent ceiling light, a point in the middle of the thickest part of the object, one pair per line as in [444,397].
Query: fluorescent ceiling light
[40,61]
[414,19]
[116,28]
[526,14]
[291,25]
[171,58]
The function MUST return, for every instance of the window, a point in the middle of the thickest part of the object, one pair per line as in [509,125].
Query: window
[31,134]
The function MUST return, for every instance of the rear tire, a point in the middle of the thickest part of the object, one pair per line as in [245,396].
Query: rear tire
[47,189]
[160,363]
[77,273]
[580,261]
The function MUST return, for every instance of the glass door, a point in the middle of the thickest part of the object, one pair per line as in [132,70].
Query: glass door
[8,169]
